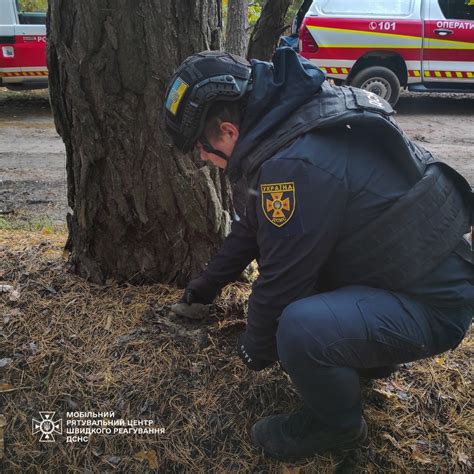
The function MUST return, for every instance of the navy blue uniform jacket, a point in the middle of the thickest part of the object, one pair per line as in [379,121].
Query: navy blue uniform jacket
[327,184]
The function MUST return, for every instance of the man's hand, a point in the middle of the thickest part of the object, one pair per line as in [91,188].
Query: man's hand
[200,290]
[189,297]
[245,353]
[198,295]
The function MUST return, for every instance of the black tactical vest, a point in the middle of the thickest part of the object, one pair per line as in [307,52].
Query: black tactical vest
[420,229]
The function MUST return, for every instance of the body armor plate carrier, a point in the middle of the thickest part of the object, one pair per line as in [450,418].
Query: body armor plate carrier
[420,229]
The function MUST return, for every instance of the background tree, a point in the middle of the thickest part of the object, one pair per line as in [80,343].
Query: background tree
[236,36]
[32,5]
[236,40]
[140,210]
[268,29]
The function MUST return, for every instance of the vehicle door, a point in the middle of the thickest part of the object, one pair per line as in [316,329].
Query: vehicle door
[344,32]
[7,38]
[448,45]
[30,35]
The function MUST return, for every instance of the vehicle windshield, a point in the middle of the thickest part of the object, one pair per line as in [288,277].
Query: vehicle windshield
[365,7]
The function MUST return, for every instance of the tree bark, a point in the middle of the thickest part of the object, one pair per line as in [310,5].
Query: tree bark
[141,211]
[236,41]
[236,30]
[268,30]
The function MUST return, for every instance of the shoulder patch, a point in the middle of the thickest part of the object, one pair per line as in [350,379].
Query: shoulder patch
[278,202]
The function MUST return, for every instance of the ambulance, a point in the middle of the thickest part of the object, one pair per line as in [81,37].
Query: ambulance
[382,45]
[22,47]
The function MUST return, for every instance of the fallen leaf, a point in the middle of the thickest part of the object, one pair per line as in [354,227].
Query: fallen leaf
[290,470]
[451,438]
[74,406]
[3,422]
[108,323]
[391,439]
[14,296]
[5,387]
[33,347]
[5,362]
[94,377]
[114,459]
[402,395]
[385,393]
[420,457]
[464,459]
[149,456]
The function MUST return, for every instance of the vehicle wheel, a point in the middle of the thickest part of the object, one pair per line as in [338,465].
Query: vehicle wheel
[379,80]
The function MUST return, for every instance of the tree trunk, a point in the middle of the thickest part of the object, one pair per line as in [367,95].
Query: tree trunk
[268,29]
[236,30]
[236,41]
[141,211]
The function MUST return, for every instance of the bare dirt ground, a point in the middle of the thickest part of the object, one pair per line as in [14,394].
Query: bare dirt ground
[442,123]
[32,156]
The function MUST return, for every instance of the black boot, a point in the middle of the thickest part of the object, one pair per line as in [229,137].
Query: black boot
[297,436]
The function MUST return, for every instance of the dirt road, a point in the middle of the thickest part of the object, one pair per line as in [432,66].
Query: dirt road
[32,156]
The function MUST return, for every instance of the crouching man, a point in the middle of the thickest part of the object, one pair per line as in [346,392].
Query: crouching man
[358,234]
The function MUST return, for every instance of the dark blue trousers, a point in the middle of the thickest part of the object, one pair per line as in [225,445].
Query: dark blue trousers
[324,338]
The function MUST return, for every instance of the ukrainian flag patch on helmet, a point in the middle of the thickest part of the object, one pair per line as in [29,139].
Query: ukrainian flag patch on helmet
[278,202]
[175,95]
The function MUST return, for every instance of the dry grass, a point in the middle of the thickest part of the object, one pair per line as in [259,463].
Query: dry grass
[80,347]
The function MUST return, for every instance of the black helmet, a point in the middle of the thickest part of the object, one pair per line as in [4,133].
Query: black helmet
[201,80]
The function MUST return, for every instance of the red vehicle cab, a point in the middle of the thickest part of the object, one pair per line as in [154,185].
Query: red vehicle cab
[22,47]
[422,45]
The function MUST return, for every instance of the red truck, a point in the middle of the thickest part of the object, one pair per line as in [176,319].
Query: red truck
[22,47]
[380,46]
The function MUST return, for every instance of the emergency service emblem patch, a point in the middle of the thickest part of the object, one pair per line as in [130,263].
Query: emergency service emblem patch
[175,95]
[278,202]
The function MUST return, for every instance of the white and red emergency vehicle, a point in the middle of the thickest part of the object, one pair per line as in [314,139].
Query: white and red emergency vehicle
[380,45]
[22,47]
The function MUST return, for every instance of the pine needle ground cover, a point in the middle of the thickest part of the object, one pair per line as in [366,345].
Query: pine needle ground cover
[67,346]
